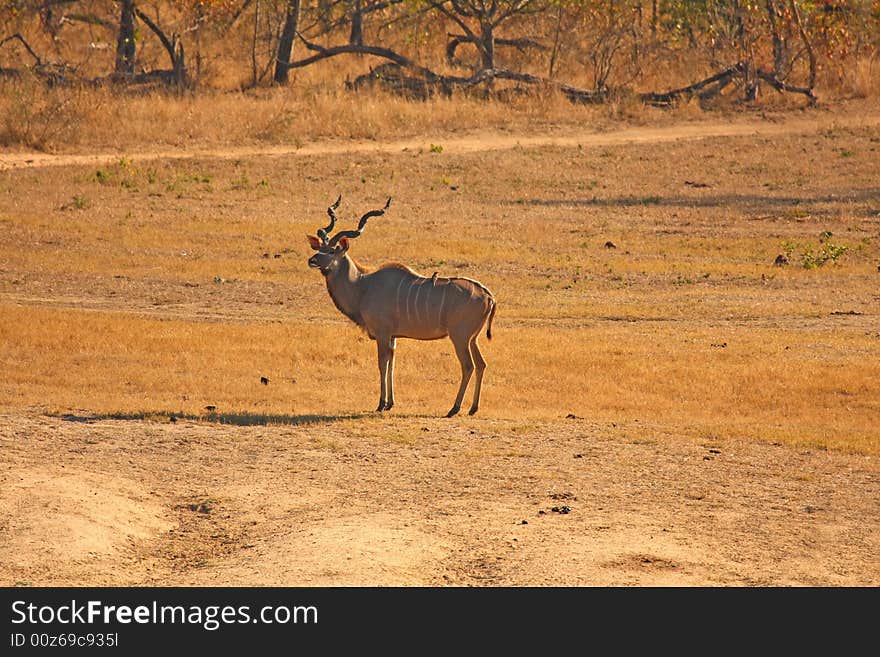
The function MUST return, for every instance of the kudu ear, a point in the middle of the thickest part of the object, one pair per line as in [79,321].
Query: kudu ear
[314,242]
[343,244]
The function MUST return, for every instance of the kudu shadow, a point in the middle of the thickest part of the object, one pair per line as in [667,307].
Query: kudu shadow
[243,419]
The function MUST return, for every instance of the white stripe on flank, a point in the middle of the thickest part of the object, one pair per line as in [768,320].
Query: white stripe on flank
[416,302]
[428,299]
[397,296]
[442,303]
[408,294]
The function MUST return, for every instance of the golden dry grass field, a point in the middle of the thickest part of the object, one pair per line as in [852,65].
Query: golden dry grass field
[705,416]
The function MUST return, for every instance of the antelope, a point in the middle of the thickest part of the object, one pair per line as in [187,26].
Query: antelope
[394,301]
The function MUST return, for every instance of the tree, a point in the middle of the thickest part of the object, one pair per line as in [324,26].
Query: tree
[125,43]
[285,43]
[479,19]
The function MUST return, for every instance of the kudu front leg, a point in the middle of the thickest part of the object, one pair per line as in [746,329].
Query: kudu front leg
[463,351]
[386,373]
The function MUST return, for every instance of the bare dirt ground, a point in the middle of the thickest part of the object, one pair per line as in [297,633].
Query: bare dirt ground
[140,503]
[319,499]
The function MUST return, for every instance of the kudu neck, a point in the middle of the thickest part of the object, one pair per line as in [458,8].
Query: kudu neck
[347,273]
[343,286]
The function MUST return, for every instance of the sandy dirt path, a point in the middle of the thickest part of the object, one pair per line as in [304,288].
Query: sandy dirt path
[481,141]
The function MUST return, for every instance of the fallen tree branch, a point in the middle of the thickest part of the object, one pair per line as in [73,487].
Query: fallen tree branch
[722,79]
[779,85]
[667,97]
[18,37]
[391,76]
[349,49]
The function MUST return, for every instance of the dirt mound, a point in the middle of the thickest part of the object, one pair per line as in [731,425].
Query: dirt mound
[73,519]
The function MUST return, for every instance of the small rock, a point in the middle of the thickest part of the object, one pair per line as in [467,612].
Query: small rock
[579,456]
[572,416]
[200,507]
[264,380]
[542,512]
[610,245]
[172,418]
[712,450]
[210,408]
[524,522]
[780,261]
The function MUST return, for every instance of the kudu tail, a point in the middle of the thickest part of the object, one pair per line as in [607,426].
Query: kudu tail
[491,317]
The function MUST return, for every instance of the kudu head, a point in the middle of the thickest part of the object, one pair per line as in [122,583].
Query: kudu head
[331,250]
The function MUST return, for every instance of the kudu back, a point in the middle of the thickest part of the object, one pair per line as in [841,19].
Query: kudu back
[395,302]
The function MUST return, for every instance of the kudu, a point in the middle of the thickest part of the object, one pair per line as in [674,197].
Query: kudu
[395,302]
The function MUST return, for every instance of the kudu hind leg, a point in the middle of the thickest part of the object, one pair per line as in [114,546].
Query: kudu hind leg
[480,366]
[463,351]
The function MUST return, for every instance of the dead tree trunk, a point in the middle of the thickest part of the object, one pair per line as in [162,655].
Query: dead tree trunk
[356,36]
[125,45]
[487,45]
[285,43]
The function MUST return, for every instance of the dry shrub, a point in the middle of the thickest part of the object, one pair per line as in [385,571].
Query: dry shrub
[39,117]
[110,118]
[866,77]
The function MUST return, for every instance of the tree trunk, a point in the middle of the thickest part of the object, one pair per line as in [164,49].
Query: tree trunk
[125,46]
[778,44]
[285,43]
[356,37]
[487,49]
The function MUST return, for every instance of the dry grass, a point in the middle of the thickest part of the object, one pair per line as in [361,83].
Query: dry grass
[80,119]
[71,119]
[155,288]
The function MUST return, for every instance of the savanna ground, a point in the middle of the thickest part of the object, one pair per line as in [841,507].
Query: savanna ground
[704,416]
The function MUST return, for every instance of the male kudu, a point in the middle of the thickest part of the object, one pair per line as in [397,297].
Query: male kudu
[395,302]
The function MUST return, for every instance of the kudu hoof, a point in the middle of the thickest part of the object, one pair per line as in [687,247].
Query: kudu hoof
[453,411]
[472,411]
